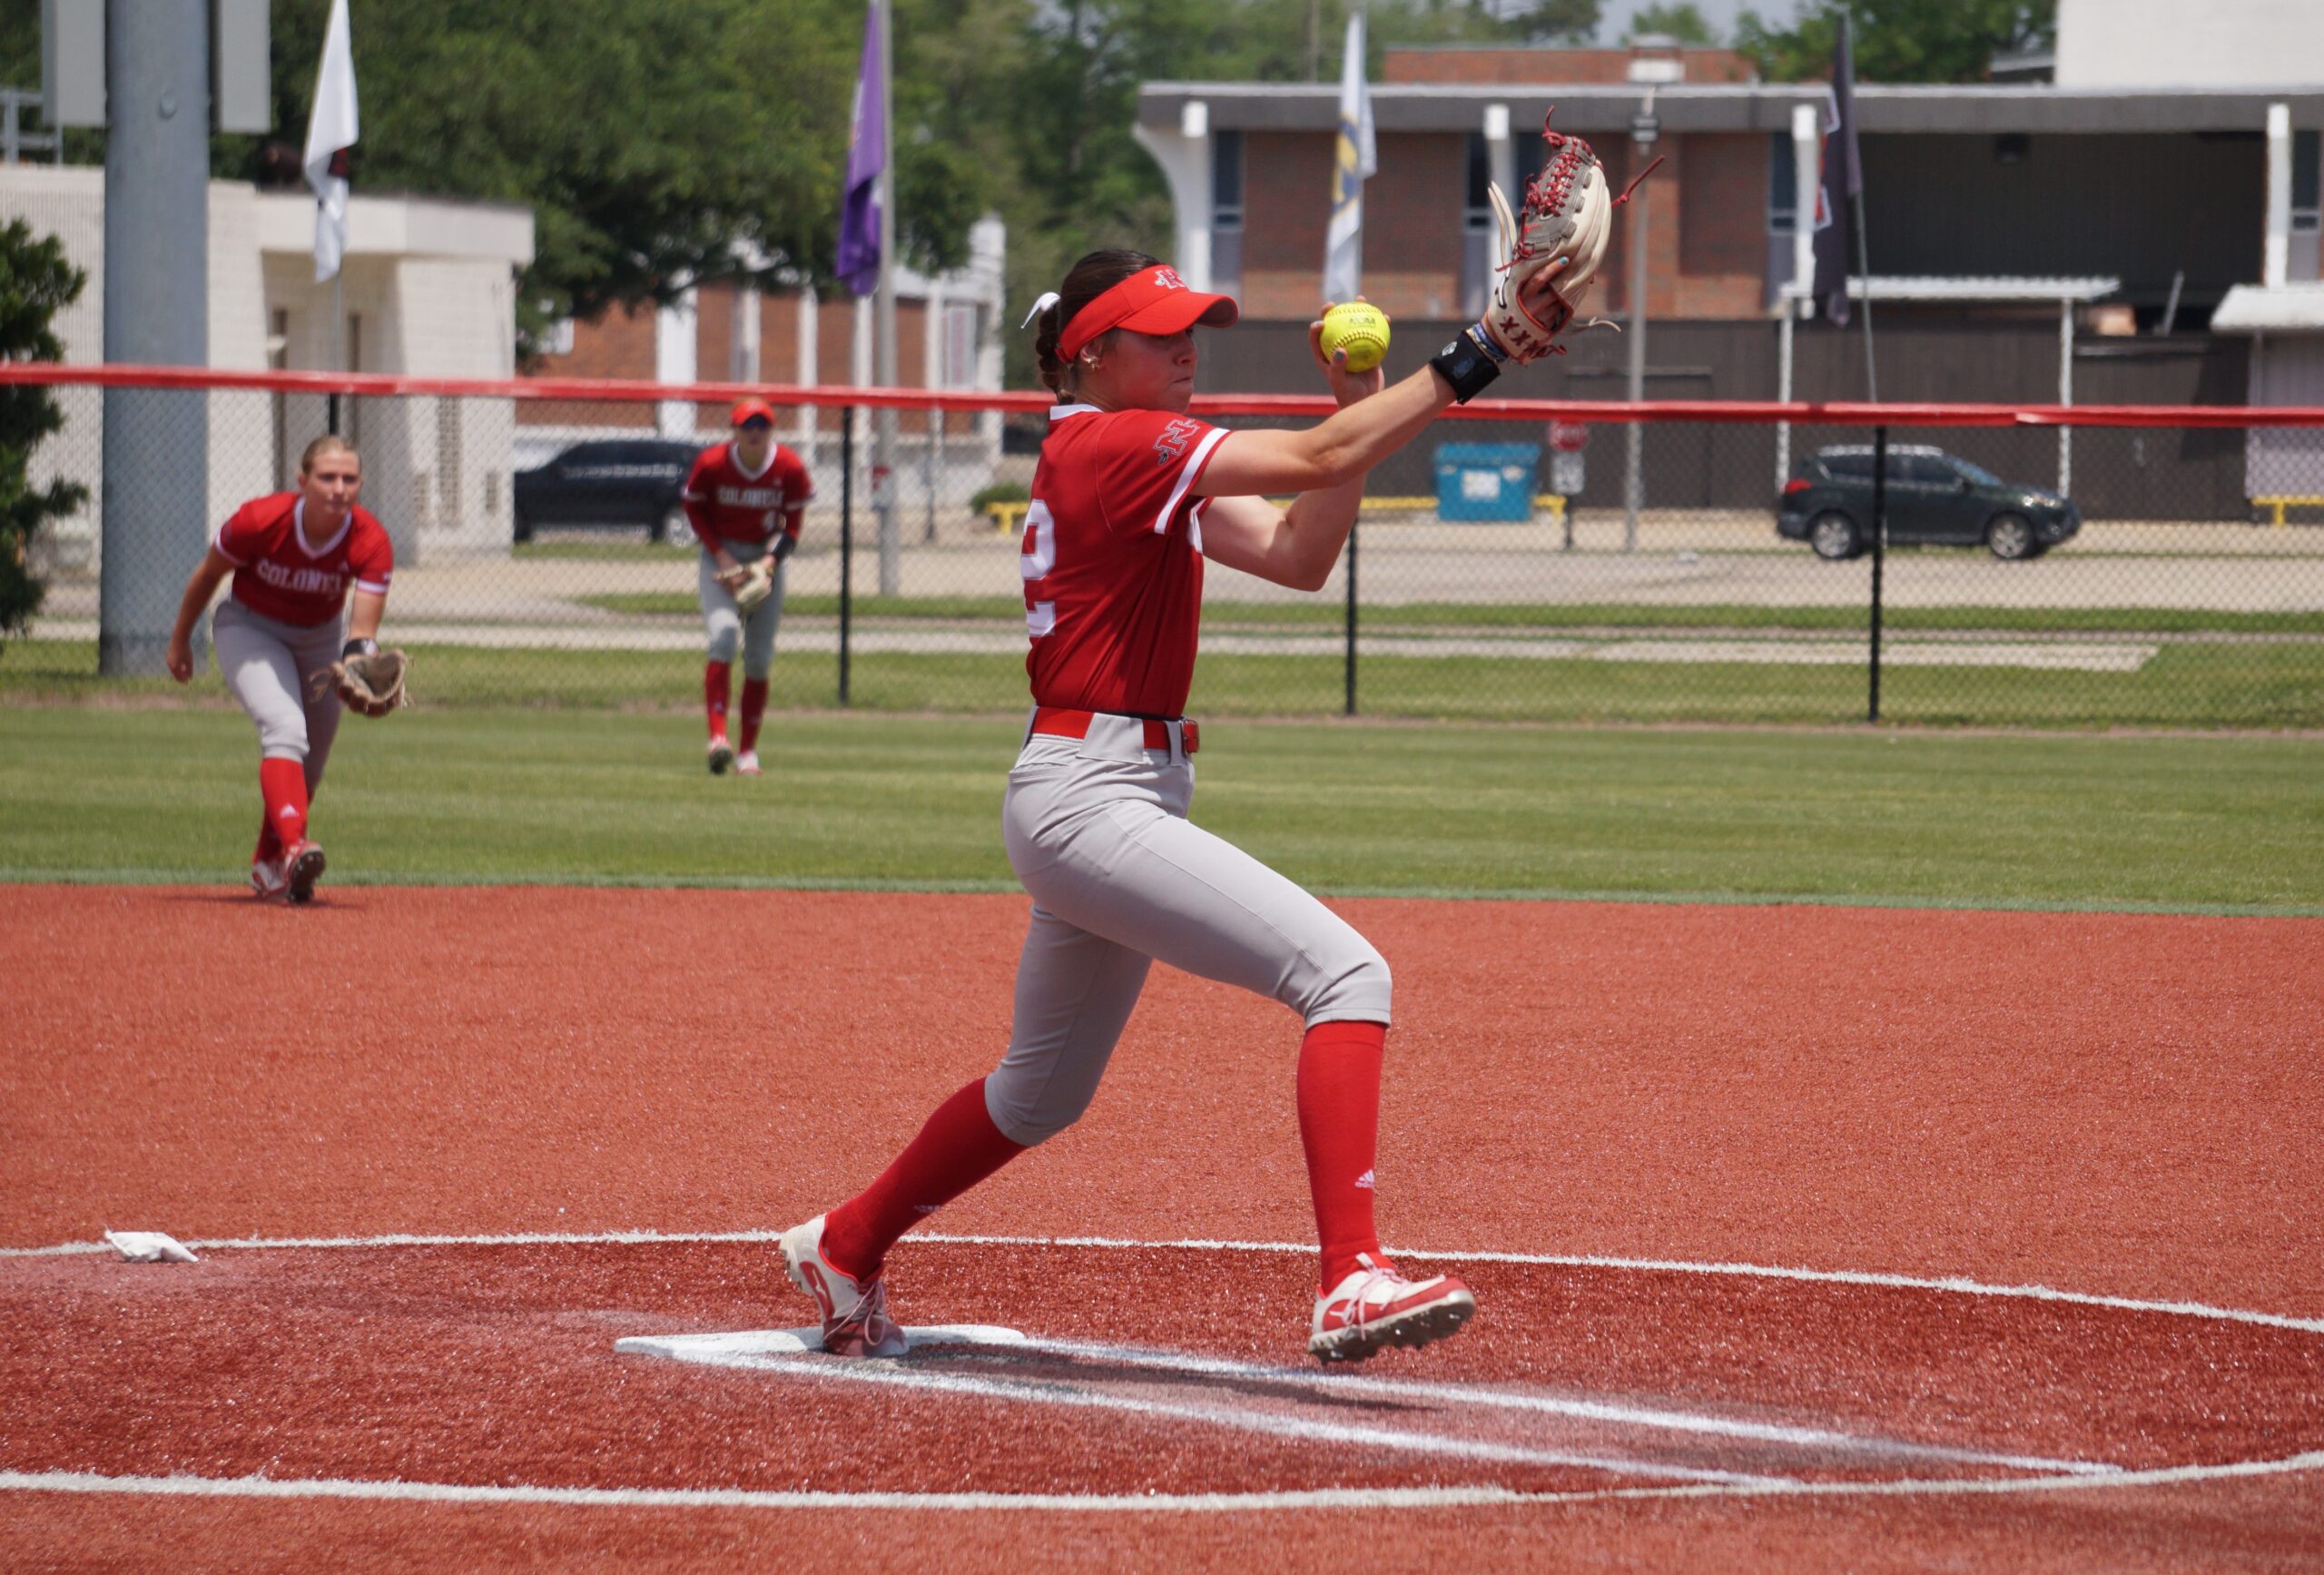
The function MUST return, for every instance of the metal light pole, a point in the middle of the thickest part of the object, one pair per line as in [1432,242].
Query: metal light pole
[1644,130]
[155,488]
[883,324]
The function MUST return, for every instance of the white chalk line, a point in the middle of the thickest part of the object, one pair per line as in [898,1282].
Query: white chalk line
[1340,1383]
[1039,1391]
[1955,1286]
[1117,1503]
[798,1352]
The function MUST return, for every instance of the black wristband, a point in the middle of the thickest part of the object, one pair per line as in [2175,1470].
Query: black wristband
[784,546]
[1467,365]
[359,649]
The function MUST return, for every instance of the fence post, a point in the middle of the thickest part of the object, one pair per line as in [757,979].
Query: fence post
[846,534]
[1351,619]
[1879,555]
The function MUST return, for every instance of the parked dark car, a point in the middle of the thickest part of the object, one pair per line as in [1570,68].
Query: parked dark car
[625,483]
[1933,497]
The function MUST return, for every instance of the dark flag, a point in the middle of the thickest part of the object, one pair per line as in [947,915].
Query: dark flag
[1838,185]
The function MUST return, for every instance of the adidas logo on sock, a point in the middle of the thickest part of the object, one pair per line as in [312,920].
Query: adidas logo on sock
[1365,1181]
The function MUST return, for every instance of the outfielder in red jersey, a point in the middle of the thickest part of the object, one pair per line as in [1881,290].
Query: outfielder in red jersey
[1130,498]
[295,557]
[746,499]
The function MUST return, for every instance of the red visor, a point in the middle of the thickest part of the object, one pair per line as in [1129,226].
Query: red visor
[1153,300]
[754,410]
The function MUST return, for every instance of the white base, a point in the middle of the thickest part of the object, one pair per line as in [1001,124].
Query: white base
[716,1348]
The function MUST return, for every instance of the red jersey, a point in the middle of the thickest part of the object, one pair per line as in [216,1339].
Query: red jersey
[1113,559]
[278,575]
[727,503]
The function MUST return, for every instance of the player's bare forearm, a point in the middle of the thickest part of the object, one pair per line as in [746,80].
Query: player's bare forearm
[200,586]
[1331,454]
[363,619]
[1295,547]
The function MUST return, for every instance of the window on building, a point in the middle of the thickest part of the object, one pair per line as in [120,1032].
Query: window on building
[1783,211]
[963,335]
[557,340]
[1476,218]
[2307,211]
[1227,210]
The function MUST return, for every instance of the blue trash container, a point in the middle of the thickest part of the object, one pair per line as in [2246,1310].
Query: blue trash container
[1486,482]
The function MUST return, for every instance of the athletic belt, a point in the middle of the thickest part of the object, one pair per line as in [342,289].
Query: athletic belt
[1067,724]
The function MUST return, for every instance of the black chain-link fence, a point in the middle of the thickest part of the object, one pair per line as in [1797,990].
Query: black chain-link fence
[1538,568]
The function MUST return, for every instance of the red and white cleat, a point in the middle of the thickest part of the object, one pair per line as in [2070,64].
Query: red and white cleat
[1376,1308]
[303,866]
[268,879]
[747,764]
[855,1317]
[721,755]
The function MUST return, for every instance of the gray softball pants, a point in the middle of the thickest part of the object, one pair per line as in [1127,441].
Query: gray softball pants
[272,668]
[730,628]
[1096,829]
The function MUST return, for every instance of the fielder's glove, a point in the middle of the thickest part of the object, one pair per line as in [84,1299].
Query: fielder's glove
[368,679]
[756,584]
[1568,214]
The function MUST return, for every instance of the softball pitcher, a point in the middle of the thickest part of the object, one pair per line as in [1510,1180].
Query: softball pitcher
[1130,496]
[293,557]
[746,500]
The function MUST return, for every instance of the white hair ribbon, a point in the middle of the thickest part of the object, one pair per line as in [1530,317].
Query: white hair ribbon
[1048,299]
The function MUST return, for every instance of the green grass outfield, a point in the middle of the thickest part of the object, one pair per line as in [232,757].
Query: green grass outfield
[2211,823]
[2226,682]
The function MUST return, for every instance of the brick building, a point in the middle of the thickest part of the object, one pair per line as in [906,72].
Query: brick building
[947,336]
[2180,193]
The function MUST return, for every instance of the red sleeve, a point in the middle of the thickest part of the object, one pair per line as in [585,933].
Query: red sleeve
[798,486]
[237,540]
[1147,461]
[695,498]
[372,554]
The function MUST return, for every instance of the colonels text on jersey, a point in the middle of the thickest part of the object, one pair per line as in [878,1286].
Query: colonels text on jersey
[1113,559]
[726,503]
[278,575]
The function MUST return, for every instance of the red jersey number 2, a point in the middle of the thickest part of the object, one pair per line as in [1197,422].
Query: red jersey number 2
[1038,558]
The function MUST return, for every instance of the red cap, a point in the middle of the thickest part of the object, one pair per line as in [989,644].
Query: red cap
[1153,300]
[754,410]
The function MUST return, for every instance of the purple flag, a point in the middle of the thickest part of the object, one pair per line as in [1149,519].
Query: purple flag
[867,155]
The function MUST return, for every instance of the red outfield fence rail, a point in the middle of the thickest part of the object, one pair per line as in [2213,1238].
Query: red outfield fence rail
[1548,560]
[1839,413]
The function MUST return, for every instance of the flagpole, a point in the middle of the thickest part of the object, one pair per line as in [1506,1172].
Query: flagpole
[883,444]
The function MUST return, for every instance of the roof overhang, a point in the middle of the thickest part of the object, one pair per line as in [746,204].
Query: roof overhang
[1970,289]
[2279,309]
[1600,110]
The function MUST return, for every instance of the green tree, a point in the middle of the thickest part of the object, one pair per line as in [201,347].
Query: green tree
[1683,21]
[35,284]
[1898,40]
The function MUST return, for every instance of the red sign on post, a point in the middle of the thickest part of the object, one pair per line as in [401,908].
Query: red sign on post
[1568,437]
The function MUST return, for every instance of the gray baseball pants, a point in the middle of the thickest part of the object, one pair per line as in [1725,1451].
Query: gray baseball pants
[273,668]
[1096,829]
[732,629]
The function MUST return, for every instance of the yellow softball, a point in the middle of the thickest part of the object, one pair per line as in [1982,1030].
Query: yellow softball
[1360,329]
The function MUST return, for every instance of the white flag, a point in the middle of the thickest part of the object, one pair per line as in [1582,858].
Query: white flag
[1355,158]
[331,131]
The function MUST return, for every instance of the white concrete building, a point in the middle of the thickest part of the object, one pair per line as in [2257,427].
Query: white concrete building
[429,289]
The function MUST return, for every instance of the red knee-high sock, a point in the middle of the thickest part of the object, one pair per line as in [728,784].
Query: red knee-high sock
[958,1147]
[1339,1126]
[753,709]
[283,784]
[717,685]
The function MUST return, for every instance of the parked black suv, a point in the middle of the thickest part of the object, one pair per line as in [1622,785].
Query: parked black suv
[629,483]
[1933,497]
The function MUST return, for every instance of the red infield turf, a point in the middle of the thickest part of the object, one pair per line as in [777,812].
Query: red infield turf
[2118,1106]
